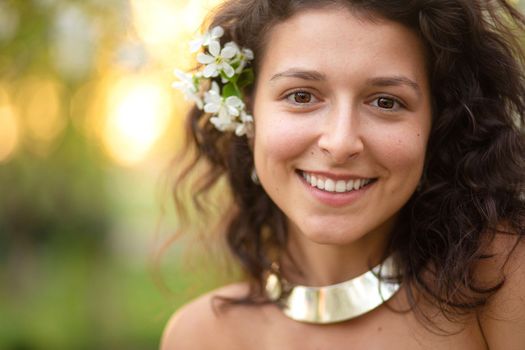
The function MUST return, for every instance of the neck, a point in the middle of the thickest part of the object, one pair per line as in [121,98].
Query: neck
[317,264]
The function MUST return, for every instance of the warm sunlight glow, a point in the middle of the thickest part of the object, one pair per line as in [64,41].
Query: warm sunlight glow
[39,102]
[8,132]
[166,26]
[138,111]
[9,126]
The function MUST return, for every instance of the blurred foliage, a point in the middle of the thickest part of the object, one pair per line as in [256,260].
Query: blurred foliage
[76,229]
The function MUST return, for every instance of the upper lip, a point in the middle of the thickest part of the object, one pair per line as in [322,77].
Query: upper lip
[335,176]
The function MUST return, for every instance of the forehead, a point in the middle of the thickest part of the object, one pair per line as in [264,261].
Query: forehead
[339,43]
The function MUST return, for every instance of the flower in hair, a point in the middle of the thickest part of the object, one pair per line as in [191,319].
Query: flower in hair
[228,113]
[218,60]
[189,85]
[213,36]
[216,88]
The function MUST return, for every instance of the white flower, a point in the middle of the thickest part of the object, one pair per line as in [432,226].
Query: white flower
[218,60]
[227,114]
[245,127]
[212,99]
[233,106]
[206,39]
[248,54]
[245,56]
[246,118]
[222,124]
[189,85]
[226,109]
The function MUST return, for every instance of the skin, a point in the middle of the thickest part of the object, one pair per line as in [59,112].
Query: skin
[344,131]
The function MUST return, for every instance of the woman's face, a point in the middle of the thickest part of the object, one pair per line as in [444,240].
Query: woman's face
[342,118]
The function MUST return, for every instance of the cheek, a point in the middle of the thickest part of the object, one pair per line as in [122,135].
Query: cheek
[405,152]
[401,149]
[279,138]
[276,144]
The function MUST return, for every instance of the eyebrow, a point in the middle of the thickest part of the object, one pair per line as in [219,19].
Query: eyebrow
[300,74]
[313,75]
[395,81]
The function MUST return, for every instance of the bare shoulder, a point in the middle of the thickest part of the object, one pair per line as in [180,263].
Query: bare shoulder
[503,319]
[198,324]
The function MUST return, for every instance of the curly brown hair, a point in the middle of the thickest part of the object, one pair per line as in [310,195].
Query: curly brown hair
[473,182]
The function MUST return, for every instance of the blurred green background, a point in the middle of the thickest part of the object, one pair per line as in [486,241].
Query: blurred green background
[88,126]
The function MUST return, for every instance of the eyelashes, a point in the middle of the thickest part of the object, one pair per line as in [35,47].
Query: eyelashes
[302,98]
[387,103]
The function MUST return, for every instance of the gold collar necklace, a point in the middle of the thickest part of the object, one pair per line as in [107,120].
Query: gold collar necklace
[337,302]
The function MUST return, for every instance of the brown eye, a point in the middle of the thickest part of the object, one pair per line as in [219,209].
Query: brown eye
[302,97]
[388,104]
[385,102]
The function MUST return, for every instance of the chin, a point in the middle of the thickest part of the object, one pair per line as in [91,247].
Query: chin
[332,236]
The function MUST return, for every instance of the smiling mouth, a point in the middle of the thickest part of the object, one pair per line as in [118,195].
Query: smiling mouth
[327,184]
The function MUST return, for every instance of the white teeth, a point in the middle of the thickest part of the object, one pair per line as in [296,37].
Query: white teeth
[339,186]
[329,185]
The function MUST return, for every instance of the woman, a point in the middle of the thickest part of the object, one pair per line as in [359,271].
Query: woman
[378,194]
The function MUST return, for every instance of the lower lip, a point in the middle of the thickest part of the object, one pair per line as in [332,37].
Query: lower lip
[336,199]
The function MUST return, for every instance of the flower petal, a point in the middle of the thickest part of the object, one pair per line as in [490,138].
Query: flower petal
[215,87]
[214,48]
[248,54]
[232,111]
[229,52]
[217,32]
[210,70]
[227,69]
[240,130]
[204,58]
[234,101]
[246,118]
[212,107]
[196,44]
[183,76]
[216,122]
[212,97]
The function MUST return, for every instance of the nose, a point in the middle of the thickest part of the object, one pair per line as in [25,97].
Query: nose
[340,137]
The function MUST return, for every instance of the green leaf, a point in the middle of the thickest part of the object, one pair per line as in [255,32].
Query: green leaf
[225,77]
[230,90]
[246,78]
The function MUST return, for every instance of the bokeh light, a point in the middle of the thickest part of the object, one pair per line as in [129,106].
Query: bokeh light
[39,99]
[165,26]
[9,126]
[138,109]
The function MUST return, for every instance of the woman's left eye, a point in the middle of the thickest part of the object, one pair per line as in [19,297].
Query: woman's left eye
[387,103]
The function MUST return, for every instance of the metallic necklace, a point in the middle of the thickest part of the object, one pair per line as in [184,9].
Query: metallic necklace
[337,302]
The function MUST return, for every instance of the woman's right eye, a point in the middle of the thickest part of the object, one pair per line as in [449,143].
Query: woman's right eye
[301,97]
